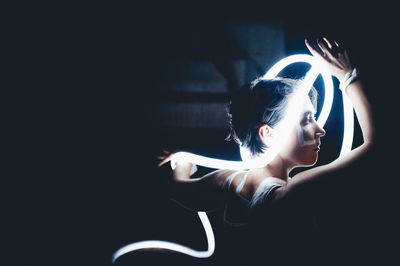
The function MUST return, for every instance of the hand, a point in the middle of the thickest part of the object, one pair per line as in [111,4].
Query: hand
[165,158]
[183,169]
[333,55]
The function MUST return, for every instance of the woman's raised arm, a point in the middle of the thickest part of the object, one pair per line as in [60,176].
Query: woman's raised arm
[337,60]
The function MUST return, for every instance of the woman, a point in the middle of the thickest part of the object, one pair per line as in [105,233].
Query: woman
[255,111]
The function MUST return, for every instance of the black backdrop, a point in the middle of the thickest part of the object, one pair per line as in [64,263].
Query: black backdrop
[83,179]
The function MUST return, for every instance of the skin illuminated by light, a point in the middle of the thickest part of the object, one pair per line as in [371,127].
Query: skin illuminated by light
[249,163]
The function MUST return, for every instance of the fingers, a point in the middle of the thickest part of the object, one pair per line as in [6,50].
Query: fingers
[313,49]
[341,51]
[164,161]
[337,45]
[328,50]
[324,46]
[166,157]
[328,42]
[331,51]
[335,49]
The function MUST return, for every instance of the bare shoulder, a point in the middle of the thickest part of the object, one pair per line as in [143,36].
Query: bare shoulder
[220,176]
[256,178]
[276,187]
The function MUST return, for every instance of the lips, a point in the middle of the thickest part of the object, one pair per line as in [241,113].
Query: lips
[318,148]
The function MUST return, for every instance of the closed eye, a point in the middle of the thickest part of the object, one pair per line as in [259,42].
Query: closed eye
[308,117]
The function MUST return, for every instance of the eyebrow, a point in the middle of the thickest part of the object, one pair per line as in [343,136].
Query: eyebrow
[309,113]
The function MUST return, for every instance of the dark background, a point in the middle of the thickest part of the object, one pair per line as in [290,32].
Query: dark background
[83,139]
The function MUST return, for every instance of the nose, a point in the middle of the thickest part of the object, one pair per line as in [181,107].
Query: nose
[320,132]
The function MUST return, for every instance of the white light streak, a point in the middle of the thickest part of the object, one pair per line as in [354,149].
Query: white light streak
[316,69]
[174,246]
[348,131]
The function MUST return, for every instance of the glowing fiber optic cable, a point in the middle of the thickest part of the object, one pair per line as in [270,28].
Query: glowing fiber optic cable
[348,130]
[247,163]
[328,84]
[348,115]
[174,246]
[316,69]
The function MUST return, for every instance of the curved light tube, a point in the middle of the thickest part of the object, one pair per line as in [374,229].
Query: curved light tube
[348,130]
[316,69]
[247,163]
[174,246]
[328,84]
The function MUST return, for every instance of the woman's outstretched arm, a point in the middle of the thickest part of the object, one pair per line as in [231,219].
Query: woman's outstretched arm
[338,62]
[196,194]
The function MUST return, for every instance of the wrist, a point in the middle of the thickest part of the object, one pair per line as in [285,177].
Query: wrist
[341,76]
[183,170]
[350,77]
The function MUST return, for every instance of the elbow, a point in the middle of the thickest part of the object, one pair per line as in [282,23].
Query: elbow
[369,136]
[369,142]
[366,155]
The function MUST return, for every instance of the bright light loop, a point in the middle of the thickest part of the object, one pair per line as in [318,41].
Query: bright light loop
[247,163]
[316,69]
[328,84]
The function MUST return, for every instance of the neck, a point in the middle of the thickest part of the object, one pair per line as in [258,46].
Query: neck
[279,168]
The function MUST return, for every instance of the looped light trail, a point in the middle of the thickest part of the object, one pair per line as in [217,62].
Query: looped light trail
[316,68]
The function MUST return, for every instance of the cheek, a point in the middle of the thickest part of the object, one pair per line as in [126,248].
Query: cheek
[300,145]
[292,144]
[305,136]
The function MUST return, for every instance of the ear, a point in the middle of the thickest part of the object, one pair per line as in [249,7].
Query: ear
[265,131]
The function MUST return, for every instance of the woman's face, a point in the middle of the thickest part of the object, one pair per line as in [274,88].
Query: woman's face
[303,145]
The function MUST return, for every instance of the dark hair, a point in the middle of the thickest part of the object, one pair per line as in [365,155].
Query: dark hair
[263,101]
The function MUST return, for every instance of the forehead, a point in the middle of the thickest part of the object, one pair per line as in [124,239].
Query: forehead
[308,107]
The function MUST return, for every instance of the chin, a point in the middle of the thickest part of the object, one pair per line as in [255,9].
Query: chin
[311,161]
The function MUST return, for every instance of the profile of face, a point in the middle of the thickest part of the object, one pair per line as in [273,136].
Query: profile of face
[304,141]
